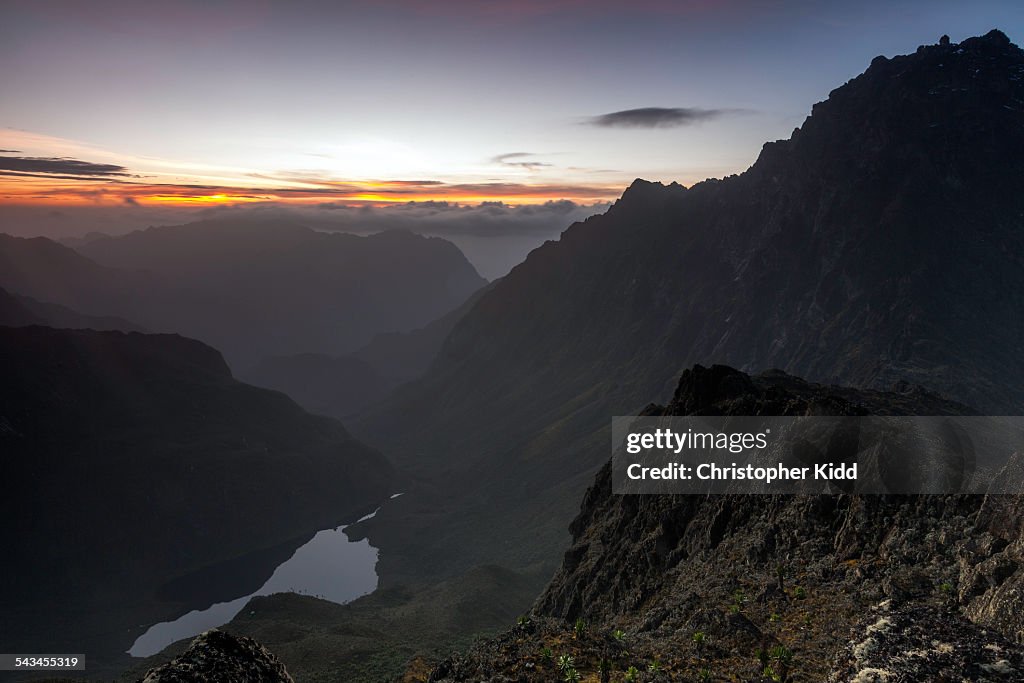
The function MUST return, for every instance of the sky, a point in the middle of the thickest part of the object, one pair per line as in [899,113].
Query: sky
[149,107]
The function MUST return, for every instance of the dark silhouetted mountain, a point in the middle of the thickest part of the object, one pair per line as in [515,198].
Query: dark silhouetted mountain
[883,242]
[913,579]
[253,289]
[149,462]
[341,386]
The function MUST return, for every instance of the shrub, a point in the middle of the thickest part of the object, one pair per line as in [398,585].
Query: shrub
[704,675]
[738,599]
[579,628]
[783,657]
[632,674]
[781,654]
[572,675]
[617,634]
[654,667]
[800,593]
[565,662]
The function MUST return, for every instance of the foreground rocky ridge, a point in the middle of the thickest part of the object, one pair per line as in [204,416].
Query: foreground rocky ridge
[219,657]
[790,588]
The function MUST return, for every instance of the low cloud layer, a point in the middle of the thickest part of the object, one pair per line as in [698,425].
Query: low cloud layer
[493,235]
[486,219]
[657,117]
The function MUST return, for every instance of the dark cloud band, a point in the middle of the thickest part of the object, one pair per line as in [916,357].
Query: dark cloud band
[657,117]
[60,166]
[519,160]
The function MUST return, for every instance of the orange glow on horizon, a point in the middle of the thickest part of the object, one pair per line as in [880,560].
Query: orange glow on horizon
[222,198]
[41,191]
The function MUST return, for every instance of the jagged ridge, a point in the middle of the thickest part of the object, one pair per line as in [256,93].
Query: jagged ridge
[662,568]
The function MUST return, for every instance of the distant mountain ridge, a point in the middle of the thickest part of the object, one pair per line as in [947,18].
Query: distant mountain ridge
[251,288]
[14,312]
[19,311]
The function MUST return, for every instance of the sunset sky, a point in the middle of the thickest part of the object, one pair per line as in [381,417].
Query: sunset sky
[176,103]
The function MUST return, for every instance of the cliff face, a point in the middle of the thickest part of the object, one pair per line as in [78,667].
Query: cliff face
[837,587]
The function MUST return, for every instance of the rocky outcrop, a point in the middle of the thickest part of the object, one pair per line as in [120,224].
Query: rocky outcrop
[991,587]
[777,587]
[925,643]
[219,657]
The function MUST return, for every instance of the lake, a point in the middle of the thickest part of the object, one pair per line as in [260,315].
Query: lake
[329,566]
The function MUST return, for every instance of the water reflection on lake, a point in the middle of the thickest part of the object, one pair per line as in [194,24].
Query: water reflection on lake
[329,566]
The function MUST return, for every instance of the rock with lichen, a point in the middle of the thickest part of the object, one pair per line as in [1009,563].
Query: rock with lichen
[219,657]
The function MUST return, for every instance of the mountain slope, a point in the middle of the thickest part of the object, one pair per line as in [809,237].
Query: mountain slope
[338,386]
[341,386]
[825,588]
[19,311]
[881,243]
[14,312]
[131,460]
[407,355]
[47,271]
